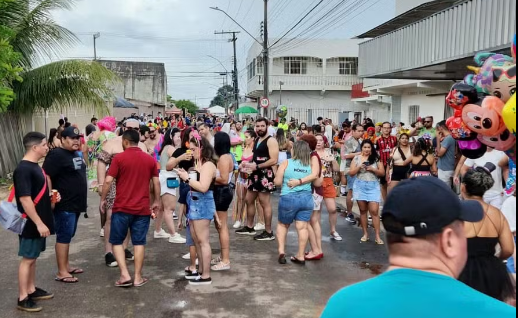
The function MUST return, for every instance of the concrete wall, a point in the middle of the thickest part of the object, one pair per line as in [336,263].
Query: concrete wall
[428,106]
[140,80]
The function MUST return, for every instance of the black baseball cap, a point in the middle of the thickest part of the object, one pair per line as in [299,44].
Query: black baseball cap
[71,132]
[426,205]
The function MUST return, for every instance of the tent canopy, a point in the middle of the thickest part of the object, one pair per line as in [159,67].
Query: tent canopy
[122,103]
[174,111]
[217,110]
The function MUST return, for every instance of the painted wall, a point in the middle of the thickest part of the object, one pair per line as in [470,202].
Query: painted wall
[429,106]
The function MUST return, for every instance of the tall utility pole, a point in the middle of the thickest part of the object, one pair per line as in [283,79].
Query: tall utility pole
[235,76]
[266,56]
[96,36]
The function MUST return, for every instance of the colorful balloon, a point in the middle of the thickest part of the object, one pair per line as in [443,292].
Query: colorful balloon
[502,142]
[504,81]
[282,111]
[471,147]
[509,114]
[513,49]
[483,78]
[486,119]
[460,95]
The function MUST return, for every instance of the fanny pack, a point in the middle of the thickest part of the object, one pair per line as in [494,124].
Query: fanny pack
[10,218]
[418,174]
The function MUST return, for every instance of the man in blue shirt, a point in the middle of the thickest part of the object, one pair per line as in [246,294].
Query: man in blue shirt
[427,247]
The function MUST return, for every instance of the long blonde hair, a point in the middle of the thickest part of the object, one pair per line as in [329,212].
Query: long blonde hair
[302,153]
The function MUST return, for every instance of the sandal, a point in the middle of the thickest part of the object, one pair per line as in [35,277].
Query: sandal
[220,267]
[295,260]
[76,271]
[67,280]
[364,239]
[144,282]
[314,258]
[216,261]
[380,242]
[282,259]
[126,284]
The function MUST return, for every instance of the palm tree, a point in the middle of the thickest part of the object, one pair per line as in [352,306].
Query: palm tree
[56,85]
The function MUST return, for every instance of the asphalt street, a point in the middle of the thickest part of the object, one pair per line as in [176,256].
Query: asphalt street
[257,286]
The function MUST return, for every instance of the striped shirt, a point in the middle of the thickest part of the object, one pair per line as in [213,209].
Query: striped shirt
[385,147]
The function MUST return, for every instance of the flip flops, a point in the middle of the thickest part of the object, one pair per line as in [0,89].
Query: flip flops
[144,282]
[67,280]
[294,260]
[76,271]
[125,284]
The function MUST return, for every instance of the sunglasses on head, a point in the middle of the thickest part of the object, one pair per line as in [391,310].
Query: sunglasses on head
[498,73]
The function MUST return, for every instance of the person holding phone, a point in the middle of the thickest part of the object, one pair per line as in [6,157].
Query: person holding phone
[368,168]
[201,204]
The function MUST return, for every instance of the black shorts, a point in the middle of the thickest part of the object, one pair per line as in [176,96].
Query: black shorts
[400,173]
[223,196]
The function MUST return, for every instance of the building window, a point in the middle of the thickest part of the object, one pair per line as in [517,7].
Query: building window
[260,66]
[413,113]
[251,70]
[348,65]
[295,65]
[358,117]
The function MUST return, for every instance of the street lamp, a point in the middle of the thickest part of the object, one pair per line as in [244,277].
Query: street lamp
[212,57]
[280,94]
[96,36]
[220,10]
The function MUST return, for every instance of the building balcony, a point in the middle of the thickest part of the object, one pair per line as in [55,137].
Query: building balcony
[303,83]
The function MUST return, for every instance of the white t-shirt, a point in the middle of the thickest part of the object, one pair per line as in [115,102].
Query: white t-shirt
[494,157]
[271,131]
[509,210]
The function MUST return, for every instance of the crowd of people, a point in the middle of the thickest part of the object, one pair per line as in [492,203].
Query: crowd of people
[189,171]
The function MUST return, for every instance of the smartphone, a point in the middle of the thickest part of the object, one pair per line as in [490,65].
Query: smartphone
[366,163]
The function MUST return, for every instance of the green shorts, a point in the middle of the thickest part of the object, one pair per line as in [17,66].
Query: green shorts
[32,248]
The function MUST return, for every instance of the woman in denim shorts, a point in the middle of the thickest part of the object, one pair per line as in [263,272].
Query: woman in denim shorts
[367,189]
[296,203]
[200,201]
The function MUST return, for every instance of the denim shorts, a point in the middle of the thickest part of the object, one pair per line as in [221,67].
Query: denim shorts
[350,183]
[296,207]
[32,248]
[368,191]
[201,206]
[66,226]
[138,225]
[184,192]
[188,236]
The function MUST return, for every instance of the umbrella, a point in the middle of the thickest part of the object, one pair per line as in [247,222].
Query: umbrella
[246,110]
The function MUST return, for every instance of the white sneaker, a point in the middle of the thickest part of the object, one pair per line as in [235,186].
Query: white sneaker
[260,227]
[335,236]
[101,234]
[177,239]
[161,235]
[187,256]
[237,225]
[175,217]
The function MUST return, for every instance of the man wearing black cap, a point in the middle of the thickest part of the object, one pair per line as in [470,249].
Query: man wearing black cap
[66,171]
[427,253]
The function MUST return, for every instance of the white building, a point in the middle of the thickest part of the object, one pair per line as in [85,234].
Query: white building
[314,79]
[410,62]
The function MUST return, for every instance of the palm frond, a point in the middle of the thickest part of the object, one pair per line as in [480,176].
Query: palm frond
[37,34]
[64,84]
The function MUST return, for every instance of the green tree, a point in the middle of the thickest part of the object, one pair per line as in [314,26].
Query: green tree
[59,84]
[224,96]
[9,72]
[191,107]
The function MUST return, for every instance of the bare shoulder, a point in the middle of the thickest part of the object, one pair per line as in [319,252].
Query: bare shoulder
[273,142]
[142,147]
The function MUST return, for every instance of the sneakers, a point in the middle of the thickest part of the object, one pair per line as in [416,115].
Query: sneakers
[40,294]
[350,218]
[265,236]
[175,217]
[110,260]
[161,235]
[192,275]
[129,255]
[177,239]
[246,231]
[28,305]
[237,225]
[200,281]
[260,227]
[335,236]
[187,256]
[101,234]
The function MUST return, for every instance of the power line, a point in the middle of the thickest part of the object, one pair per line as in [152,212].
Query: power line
[300,21]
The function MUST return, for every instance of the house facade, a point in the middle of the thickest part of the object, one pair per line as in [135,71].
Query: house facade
[314,79]
[412,61]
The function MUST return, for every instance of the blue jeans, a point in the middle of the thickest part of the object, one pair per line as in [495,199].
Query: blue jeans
[66,226]
[201,206]
[296,207]
[138,226]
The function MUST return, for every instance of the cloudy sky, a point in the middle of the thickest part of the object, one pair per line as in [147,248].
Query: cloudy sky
[180,33]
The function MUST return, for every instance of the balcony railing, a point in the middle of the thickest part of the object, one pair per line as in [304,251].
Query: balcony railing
[305,82]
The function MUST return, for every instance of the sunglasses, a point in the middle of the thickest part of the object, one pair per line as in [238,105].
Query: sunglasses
[152,131]
[428,122]
[133,128]
[498,73]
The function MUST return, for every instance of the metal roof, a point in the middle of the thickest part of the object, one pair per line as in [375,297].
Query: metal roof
[416,14]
